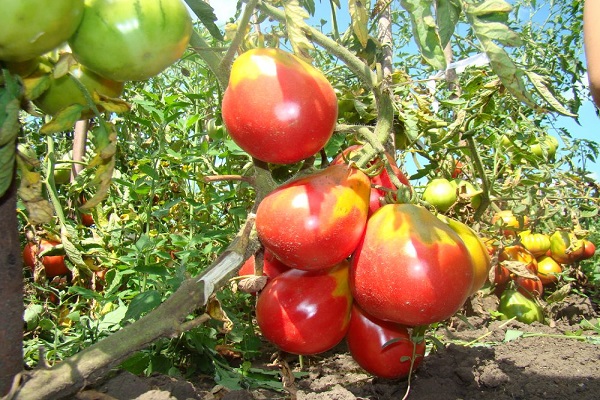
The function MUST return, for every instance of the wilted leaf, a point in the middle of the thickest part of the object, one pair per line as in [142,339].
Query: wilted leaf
[559,294]
[214,309]
[425,32]
[67,233]
[36,84]
[63,120]
[110,104]
[39,209]
[518,268]
[252,284]
[540,84]
[499,32]
[359,17]
[105,139]
[294,18]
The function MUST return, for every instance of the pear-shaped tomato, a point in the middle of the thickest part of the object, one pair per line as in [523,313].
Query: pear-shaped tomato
[367,338]
[53,265]
[516,305]
[477,250]
[278,108]
[306,312]
[316,221]
[547,270]
[410,268]
[565,247]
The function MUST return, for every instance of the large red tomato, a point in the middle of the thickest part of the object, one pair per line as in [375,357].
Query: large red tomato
[53,265]
[316,221]
[306,312]
[380,181]
[410,268]
[31,28]
[278,108]
[366,338]
[126,40]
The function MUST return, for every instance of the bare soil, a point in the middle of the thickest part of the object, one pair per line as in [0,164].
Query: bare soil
[481,358]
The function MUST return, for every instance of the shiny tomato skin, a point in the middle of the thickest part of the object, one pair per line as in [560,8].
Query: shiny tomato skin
[306,312]
[521,254]
[589,249]
[366,338]
[126,40]
[278,108]
[31,28]
[316,221]
[410,267]
[565,247]
[53,265]
[537,243]
[514,304]
[440,193]
[529,287]
[547,270]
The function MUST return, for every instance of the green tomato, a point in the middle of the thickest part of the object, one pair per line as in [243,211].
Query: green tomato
[440,193]
[127,40]
[549,143]
[31,28]
[514,304]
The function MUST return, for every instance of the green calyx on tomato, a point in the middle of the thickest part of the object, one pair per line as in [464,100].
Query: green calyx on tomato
[125,40]
[31,28]
[278,108]
[410,268]
[514,304]
[440,193]
[316,221]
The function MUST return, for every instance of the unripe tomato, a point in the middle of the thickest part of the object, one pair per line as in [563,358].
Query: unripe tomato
[547,270]
[53,265]
[465,188]
[515,304]
[366,338]
[306,312]
[510,222]
[316,221]
[410,268]
[537,243]
[278,108]
[440,193]
[126,40]
[31,28]
[547,143]
[479,254]
[565,248]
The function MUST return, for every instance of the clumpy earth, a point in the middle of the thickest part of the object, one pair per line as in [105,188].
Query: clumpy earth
[479,358]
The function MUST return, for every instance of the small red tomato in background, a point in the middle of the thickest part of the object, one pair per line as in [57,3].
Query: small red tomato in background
[53,265]
[278,108]
[366,338]
[306,312]
[410,268]
[316,221]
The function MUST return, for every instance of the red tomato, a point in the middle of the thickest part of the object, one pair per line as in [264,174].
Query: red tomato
[53,265]
[278,108]
[529,287]
[271,266]
[381,180]
[589,250]
[316,221]
[87,219]
[366,338]
[306,312]
[410,268]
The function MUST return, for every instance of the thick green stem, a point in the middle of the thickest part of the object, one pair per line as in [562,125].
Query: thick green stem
[210,57]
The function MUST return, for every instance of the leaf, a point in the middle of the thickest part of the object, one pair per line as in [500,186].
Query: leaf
[105,140]
[490,7]
[294,18]
[63,120]
[214,309]
[142,304]
[425,32]
[10,94]
[206,15]
[447,15]
[309,5]
[67,233]
[32,315]
[110,104]
[512,334]
[36,84]
[359,17]
[559,294]
[30,191]
[252,284]
[540,84]
[499,32]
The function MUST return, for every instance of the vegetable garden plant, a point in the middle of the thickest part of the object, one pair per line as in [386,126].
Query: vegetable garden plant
[374,206]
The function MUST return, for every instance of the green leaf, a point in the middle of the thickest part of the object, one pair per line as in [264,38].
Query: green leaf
[499,32]
[309,5]
[540,84]
[10,94]
[206,15]
[425,32]
[63,120]
[142,304]
[490,7]
[512,334]
[32,315]
[447,15]
[359,17]
[295,17]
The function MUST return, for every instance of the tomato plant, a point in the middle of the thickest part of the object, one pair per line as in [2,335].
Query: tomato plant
[125,40]
[367,338]
[31,28]
[268,115]
[306,312]
[510,222]
[54,265]
[315,221]
[467,190]
[514,304]
[410,268]
[440,193]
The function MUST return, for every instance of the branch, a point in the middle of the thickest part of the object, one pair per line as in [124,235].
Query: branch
[239,36]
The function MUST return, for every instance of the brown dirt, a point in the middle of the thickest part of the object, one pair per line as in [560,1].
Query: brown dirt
[481,359]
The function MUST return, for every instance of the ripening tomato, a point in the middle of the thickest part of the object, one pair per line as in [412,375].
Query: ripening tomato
[126,40]
[53,265]
[529,287]
[316,221]
[537,243]
[589,249]
[31,28]
[510,223]
[410,267]
[515,304]
[278,108]
[477,250]
[547,270]
[367,337]
[565,247]
[380,181]
[440,193]
[306,312]
[521,254]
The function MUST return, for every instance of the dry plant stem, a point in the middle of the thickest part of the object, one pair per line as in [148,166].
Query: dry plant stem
[218,178]
[79,143]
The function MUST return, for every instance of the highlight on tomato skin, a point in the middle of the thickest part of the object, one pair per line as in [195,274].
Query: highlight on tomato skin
[306,312]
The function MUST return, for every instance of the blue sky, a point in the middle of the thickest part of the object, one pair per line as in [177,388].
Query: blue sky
[589,127]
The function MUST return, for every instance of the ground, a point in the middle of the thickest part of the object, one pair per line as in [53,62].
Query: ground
[482,358]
